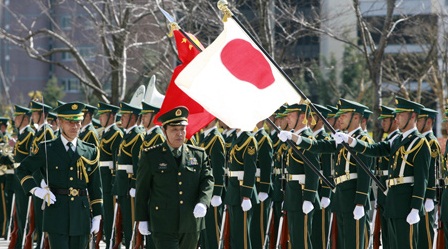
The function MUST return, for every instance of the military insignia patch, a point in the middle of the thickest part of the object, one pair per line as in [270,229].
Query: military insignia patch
[74,107]
[163,165]
[251,150]
[192,161]
[178,113]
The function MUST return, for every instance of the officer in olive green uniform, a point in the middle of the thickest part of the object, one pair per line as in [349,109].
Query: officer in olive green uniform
[3,202]
[425,122]
[52,120]
[390,126]
[352,183]
[109,144]
[44,132]
[174,187]
[241,193]
[213,144]
[21,150]
[409,158]
[70,167]
[153,136]
[301,197]
[127,159]
[88,132]
[321,218]
[444,182]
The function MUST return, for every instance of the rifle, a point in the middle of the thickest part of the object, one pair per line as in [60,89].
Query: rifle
[27,241]
[92,241]
[440,243]
[99,235]
[136,239]
[269,226]
[224,242]
[12,235]
[283,233]
[376,229]
[118,228]
[11,217]
[334,233]
[113,225]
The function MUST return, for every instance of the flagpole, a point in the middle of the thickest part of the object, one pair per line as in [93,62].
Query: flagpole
[223,6]
[290,143]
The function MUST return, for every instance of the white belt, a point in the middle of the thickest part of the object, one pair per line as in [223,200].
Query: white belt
[382,172]
[446,181]
[346,177]
[293,177]
[277,171]
[128,167]
[400,180]
[238,174]
[109,164]
[9,172]
[16,165]
[257,173]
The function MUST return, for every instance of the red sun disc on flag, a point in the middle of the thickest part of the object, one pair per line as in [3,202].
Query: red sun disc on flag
[247,63]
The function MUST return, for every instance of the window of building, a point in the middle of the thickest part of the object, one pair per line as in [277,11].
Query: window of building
[87,53]
[71,85]
[66,22]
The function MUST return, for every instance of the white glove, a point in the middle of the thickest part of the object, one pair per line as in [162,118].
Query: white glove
[216,201]
[143,228]
[45,194]
[95,228]
[358,213]
[429,205]
[307,207]
[284,135]
[262,196]
[340,137]
[325,202]
[199,210]
[413,217]
[132,192]
[246,205]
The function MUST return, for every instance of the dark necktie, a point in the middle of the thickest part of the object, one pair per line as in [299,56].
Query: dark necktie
[70,150]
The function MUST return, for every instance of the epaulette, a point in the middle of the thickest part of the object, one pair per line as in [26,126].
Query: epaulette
[195,147]
[152,147]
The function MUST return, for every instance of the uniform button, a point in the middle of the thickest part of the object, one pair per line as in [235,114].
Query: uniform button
[180,183]
[157,208]
[71,168]
[180,192]
[179,173]
[162,171]
[73,198]
[181,202]
[71,178]
[57,167]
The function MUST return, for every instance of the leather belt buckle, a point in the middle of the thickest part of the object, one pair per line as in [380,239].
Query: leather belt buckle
[73,192]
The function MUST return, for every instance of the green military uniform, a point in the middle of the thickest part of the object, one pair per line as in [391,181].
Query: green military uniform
[409,158]
[108,147]
[22,148]
[169,207]
[126,174]
[427,223]
[74,180]
[88,133]
[444,175]
[3,181]
[241,184]
[263,185]
[43,133]
[352,182]
[214,146]
[382,170]
[321,218]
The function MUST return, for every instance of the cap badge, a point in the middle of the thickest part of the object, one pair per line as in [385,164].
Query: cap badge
[74,107]
[178,112]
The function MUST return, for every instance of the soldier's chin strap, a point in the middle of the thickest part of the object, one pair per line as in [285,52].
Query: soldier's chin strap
[424,125]
[351,119]
[150,120]
[409,119]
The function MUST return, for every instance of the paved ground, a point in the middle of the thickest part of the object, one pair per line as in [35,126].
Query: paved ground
[4,244]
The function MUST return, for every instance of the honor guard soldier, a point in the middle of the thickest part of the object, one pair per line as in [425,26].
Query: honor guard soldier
[352,183]
[301,182]
[88,132]
[214,145]
[443,182]
[409,158]
[126,174]
[53,122]
[175,212]
[108,148]
[263,185]
[389,126]
[426,120]
[321,218]
[3,210]
[73,187]
[44,132]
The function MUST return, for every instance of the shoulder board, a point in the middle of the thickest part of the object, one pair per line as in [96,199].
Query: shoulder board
[152,147]
[195,147]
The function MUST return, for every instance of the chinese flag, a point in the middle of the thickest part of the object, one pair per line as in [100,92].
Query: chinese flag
[198,117]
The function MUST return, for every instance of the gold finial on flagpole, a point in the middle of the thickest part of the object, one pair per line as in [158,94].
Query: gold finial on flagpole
[223,6]
[172,26]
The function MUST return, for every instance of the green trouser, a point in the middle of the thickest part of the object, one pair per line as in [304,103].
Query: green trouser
[351,233]
[63,241]
[149,242]
[401,234]
[259,223]
[445,233]
[299,227]
[240,227]
[210,237]
[426,230]
[126,219]
[21,205]
[108,204]
[277,206]
[176,240]
[38,217]
[321,228]
[3,209]
[384,230]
